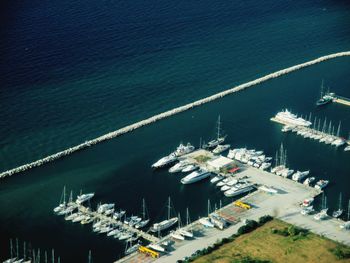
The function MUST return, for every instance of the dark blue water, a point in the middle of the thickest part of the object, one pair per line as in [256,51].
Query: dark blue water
[73,70]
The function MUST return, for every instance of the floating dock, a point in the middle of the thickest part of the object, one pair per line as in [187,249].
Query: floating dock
[103,217]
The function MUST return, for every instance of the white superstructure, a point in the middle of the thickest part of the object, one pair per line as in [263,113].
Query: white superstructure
[195,176]
[291,119]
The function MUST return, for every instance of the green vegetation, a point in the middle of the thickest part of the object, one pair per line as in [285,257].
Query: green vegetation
[272,241]
[341,252]
[202,158]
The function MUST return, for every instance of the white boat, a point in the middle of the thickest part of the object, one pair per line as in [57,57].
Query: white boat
[131,248]
[104,207]
[286,173]
[183,149]
[156,247]
[178,167]
[234,191]
[265,166]
[339,212]
[321,184]
[125,235]
[195,176]
[171,158]
[216,179]
[345,225]
[268,189]
[205,221]
[221,148]
[291,119]
[113,232]
[321,215]
[62,204]
[185,233]
[309,180]
[347,148]
[287,128]
[298,176]
[177,236]
[189,168]
[219,138]
[84,197]
[225,187]
[145,219]
[223,182]
[308,210]
[169,222]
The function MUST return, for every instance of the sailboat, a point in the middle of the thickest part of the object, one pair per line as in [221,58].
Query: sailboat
[130,248]
[62,205]
[325,98]
[323,213]
[205,221]
[11,259]
[182,231]
[339,212]
[176,234]
[145,220]
[166,223]
[346,225]
[219,138]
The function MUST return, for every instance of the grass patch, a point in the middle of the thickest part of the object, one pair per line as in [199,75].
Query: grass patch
[202,158]
[287,244]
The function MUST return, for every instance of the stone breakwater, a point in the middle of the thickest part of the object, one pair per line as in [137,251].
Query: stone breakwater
[169,113]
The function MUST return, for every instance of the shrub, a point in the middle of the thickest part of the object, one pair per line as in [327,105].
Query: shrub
[341,252]
[265,219]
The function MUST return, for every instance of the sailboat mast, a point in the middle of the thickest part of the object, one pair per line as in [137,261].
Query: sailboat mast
[208,207]
[340,201]
[187,217]
[324,125]
[169,208]
[53,256]
[11,248]
[218,132]
[17,252]
[24,251]
[64,195]
[349,211]
[89,259]
[338,131]
[143,209]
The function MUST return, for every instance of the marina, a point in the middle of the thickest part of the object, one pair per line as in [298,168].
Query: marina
[321,131]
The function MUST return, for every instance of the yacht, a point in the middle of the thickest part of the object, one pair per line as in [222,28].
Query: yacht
[221,148]
[104,207]
[219,138]
[169,159]
[156,247]
[189,168]
[321,184]
[84,197]
[234,191]
[195,176]
[309,180]
[287,172]
[216,179]
[265,166]
[325,98]
[298,176]
[346,225]
[183,149]
[268,189]
[347,148]
[62,204]
[291,119]
[205,221]
[287,128]
[178,167]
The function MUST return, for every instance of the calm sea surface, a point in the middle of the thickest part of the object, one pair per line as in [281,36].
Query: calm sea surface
[74,70]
